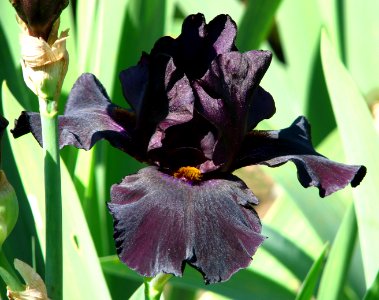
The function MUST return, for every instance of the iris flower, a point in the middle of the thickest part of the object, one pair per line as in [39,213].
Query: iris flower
[195,101]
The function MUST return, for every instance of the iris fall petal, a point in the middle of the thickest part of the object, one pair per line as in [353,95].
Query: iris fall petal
[89,117]
[162,222]
[274,148]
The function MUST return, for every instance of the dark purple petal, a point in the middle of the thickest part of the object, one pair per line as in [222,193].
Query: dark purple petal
[199,43]
[262,107]
[227,99]
[180,104]
[187,144]
[161,222]
[274,148]
[221,35]
[134,83]
[89,117]
[28,122]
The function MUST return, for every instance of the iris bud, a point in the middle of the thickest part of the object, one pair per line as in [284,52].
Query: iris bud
[44,64]
[44,58]
[39,15]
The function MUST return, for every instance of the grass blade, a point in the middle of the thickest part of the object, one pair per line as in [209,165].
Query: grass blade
[310,282]
[360,142]
[337,266]
[256,23]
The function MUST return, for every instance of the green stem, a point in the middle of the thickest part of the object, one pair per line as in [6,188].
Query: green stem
[154,286]
[53,200]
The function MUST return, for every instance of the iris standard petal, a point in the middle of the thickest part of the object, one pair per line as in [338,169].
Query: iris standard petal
[89,117]
[221,35]
[199,43]
[161,223]
[180,99]
[274,148]
[134,82]
[262,107]
[187,144]
[226,94]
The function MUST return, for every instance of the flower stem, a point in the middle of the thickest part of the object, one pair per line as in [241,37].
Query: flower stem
[53,199]
[154,286]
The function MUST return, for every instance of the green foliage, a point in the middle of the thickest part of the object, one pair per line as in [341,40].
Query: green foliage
[329,77]
[309,284]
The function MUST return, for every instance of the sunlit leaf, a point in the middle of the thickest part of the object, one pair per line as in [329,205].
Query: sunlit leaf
[337,266]
[360,143]
[262,12]
[310,282]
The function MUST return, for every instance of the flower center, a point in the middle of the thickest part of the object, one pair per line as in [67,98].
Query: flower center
[188,174]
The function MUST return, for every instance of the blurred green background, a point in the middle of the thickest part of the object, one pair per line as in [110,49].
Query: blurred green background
[325,66]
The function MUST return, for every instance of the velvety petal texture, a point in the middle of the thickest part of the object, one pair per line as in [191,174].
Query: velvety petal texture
[226,93]
[89,117]
[180,104]
[274,148]
[162,222]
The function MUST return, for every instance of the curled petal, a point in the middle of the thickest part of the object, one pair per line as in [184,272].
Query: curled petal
[274,148]
[89,117]
[161,223]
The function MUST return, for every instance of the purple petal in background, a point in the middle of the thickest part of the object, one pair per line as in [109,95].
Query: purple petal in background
[274,148]
[161,222]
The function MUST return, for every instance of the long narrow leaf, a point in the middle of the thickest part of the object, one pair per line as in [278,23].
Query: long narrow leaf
[362,45]
[361,143]
[251,34]
[310,282]
[337,266]
[287,252]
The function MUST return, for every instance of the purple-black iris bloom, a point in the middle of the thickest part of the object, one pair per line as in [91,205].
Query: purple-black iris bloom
[195,101]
